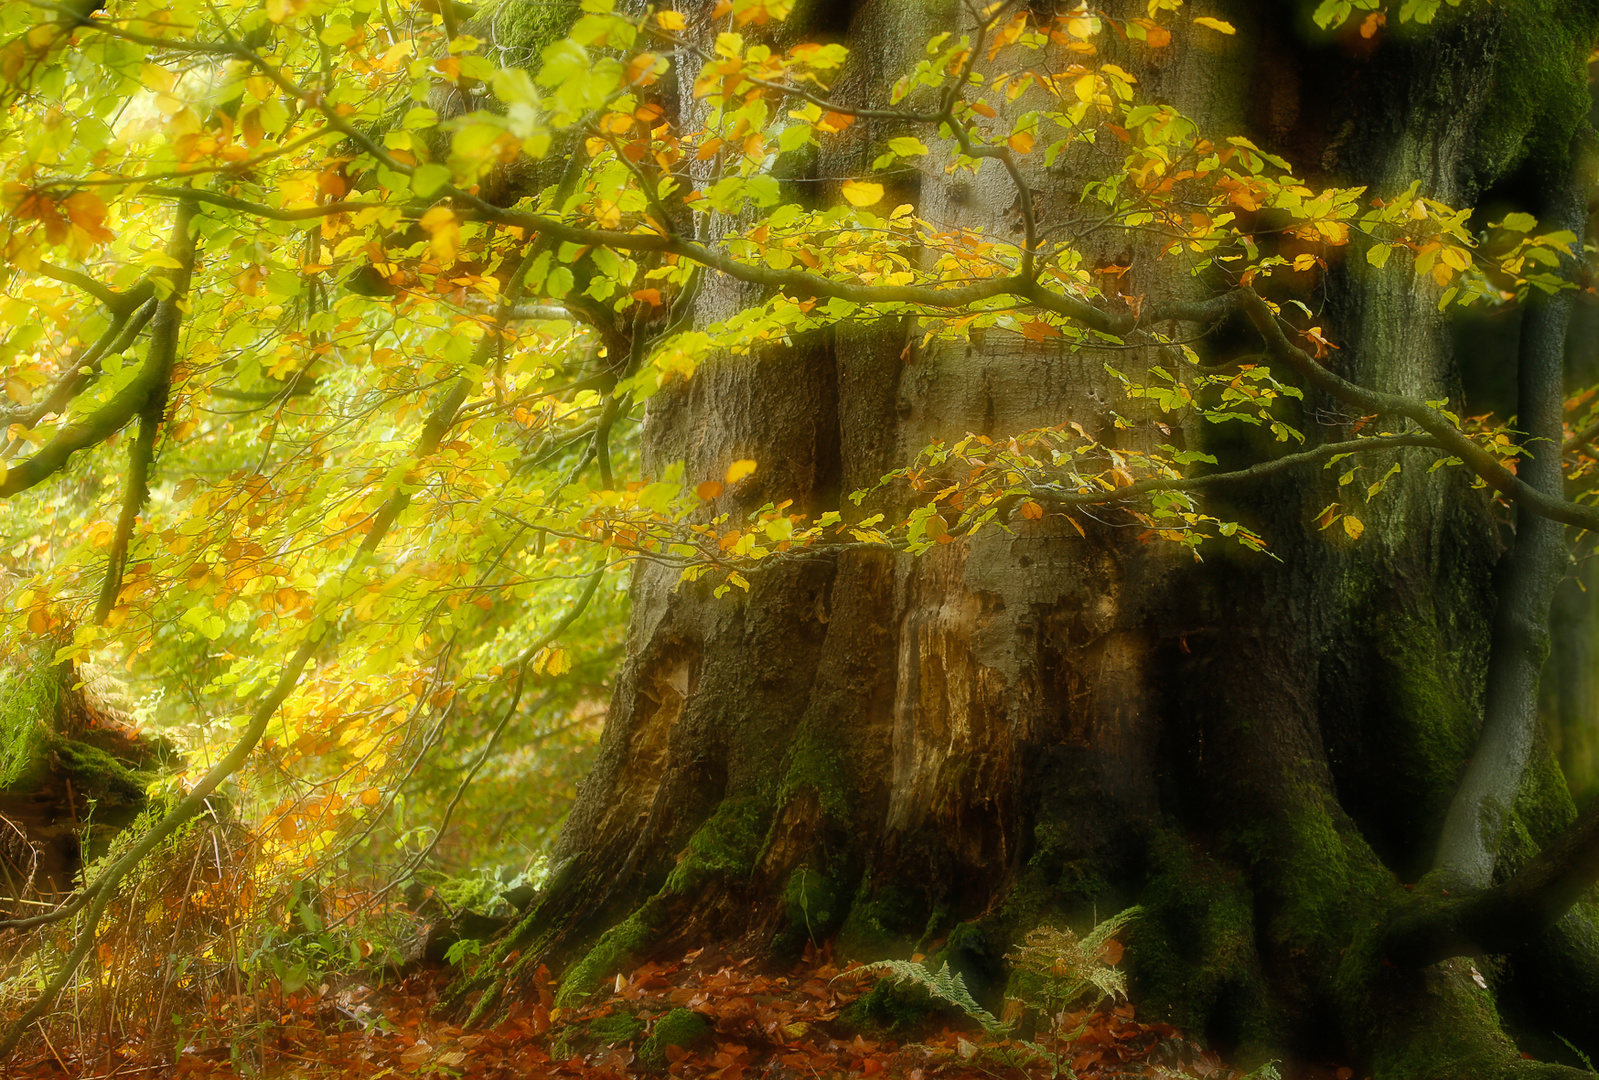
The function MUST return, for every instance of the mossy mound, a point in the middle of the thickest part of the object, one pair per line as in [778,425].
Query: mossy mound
[682,1028]
[615,1029]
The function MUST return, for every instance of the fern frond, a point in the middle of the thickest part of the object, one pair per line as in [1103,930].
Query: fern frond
[1066,967]
[942,985]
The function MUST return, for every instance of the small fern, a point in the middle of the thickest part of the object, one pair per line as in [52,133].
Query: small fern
[942,985]
[1064,967]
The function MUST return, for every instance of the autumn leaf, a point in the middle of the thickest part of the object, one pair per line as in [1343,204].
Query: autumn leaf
[1032,511]
[1354,527]
[862,193]
[739,470]
[1217,25]
[444,232]
[1021,142]
[709,490]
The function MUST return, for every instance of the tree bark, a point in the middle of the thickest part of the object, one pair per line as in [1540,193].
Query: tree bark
[936,753]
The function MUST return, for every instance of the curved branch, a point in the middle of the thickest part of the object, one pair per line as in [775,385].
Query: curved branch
[120,303]
[1480,809]
[1507,916]
[1325,452]
[150,379]
[261,210]
[1450,438]
[118,336]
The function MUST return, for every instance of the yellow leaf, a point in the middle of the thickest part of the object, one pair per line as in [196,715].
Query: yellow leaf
[157,78]
[862,193]
[1215,24]
[1354,527]
[1021,142]
[558,662]
[671,20]
[1304,261]
[371,797]
[444,230]
[739,470]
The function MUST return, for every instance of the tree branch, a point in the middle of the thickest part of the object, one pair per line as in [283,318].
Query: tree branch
[150,379]
[1324,452]
[1507,916]
[135,492]
[1481,807]
[117,337]
[120,303]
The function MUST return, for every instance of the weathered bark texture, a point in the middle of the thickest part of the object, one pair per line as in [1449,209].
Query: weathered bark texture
[910,753]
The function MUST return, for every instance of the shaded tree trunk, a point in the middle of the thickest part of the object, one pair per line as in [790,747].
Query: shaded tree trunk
[906,753]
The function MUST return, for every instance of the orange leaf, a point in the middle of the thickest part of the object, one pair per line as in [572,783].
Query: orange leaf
[709,490]
[1021,142]
[1032,511]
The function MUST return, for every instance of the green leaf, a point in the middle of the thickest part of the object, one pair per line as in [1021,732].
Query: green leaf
[428,179]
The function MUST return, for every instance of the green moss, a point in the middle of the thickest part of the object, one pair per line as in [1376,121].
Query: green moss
[1315,875]
[815,764]
[1540,88]
[1192,955]
[95,772]
[1438,721]
[28,703]
[726,846]
[814,904]
[1429,1024]
[612,1030]
[891,1009]
[681,1027]
[615,949]
[884,923]
[524,27]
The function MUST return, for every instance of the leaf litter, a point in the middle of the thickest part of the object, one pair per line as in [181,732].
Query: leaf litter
[784,1026]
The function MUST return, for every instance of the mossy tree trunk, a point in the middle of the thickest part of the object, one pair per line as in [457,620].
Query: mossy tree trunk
[1039,724]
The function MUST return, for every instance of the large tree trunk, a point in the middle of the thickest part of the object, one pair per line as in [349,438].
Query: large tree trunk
[1041,724]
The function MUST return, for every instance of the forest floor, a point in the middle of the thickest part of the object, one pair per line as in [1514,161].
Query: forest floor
[754,1026]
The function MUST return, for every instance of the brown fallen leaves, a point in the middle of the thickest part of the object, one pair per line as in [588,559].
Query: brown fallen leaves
[763,1025]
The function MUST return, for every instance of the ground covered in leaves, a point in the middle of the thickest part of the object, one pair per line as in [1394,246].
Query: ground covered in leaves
[695,1018]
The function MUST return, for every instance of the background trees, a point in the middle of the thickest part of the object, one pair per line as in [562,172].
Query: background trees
[911,354]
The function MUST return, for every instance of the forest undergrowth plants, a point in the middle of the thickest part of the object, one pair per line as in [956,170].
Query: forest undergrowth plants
[1060,981]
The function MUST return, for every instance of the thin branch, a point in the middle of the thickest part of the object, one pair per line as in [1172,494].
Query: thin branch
[272,213]
[1325,452]
[1450,438]
[117,337]
[118,302]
